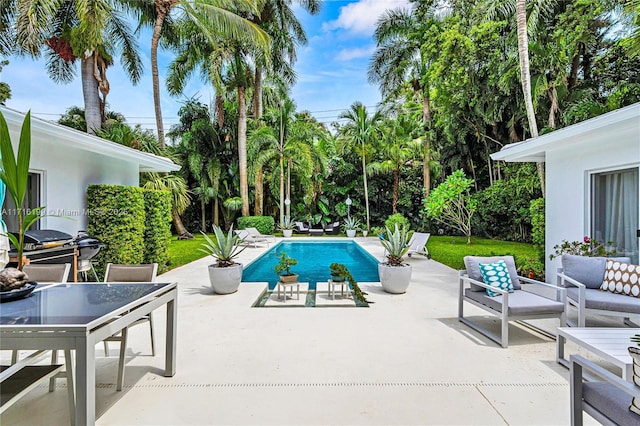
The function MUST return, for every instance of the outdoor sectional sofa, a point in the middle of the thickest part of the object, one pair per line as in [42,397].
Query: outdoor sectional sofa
[582,277]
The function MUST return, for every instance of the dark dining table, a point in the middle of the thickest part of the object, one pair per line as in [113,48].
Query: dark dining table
[77,317]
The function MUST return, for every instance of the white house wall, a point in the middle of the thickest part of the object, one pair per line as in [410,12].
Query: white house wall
[67,172]
[568,165]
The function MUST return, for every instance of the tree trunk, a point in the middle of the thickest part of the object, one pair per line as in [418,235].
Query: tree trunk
[396,190]
[91,95]
[161,12]
[242,150]
[553,96]
[281,184]
[525,77]
[220,110]
[257,93]
[183,234]
[366,190]
[203,215]
[216,211]
[426,170]
[288,206]
[259,194]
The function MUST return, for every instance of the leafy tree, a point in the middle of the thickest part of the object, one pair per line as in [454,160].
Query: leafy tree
[451,203]
[74,117]
[5,90]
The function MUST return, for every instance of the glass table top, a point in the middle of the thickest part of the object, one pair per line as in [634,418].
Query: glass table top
[73,303]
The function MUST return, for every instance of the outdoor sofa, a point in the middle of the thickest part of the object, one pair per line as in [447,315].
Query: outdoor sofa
[583,278]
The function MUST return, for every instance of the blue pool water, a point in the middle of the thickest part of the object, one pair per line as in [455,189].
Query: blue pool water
[313,259]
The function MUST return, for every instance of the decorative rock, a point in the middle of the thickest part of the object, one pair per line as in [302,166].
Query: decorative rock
[12,278]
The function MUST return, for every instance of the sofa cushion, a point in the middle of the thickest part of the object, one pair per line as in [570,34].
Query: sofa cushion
[587,270]
[596,299]
[473,270]
[496,275]
[610,401]
[520,302]
[621,277]
[635,355]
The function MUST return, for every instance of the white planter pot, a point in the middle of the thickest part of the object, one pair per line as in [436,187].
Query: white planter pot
[351,233]
[364,233]
[287,233]
[394,279]
[225,280]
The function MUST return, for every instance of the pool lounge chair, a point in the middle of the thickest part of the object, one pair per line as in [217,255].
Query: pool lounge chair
[249,239]
[418,244]
[300,228]
[256,234]
[332,228]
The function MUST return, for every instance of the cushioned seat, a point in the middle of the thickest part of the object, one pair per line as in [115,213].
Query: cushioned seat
[610,401]
[520,302]
[605,300]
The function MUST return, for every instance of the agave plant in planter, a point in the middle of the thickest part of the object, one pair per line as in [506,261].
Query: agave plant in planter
[395,275]
[351,225]
[225,275]
[287,225]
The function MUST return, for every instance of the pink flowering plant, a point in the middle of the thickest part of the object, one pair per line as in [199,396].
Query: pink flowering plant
[587,247]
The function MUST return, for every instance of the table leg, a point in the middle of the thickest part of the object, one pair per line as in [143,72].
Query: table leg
[560,341]
[172,329]
[627,372]
[71,394]
[85,381]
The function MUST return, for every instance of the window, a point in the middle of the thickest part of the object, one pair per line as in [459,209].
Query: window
[615,210]
[32,200]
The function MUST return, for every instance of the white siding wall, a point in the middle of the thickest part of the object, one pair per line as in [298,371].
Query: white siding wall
[67,174]
[568,166]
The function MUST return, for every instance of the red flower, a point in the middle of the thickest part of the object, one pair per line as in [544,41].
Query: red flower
[587,240]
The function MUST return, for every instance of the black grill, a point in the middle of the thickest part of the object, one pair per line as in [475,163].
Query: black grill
[88,246]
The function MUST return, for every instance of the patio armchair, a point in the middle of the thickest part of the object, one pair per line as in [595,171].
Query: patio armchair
[129,274]
[518,305]
[300,228]
[48,273]
[248,239]
[582,277]
[418,244]
[607,400]
[332,228]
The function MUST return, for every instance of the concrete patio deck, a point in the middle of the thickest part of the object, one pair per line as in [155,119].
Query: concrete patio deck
[404,360]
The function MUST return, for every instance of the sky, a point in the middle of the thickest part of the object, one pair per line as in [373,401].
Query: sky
[331,70]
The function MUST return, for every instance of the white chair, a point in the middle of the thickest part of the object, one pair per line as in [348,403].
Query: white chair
[418,244]
[129,274]
[254,233]
[247,238]
[300,228]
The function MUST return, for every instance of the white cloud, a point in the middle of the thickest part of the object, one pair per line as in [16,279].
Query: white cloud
[360,18]
[355,53]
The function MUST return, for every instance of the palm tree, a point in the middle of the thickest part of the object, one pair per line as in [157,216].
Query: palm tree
[399,62]
[360,130]
[398,149]
[91,31]
[213,18]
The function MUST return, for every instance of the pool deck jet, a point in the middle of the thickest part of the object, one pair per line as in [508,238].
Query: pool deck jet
[404,360]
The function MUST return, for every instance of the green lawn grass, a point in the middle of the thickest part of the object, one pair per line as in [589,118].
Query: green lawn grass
[182,252]
[451,250]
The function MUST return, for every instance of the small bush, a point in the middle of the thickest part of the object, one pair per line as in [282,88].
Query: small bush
[264,224]
[396,219]
[536,209]
[117,218]
[157,232]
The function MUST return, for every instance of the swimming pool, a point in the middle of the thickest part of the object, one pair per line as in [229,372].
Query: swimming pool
[314,258]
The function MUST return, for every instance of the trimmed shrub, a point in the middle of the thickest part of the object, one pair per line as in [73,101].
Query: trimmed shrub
[264,224]
[536,209]
[117,218]
[398,219]
[157,231]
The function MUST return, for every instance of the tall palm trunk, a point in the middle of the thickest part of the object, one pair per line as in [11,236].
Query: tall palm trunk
[426,119]
[396,190]
[162,10]
[203,225]
[259,192]
[242,150]
[525,77]
[366,190]
[257,93]
[91,95]
[180,229]
[281,184]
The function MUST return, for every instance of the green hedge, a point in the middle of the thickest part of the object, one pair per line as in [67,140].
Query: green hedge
[396,219]
[117,218]
[157,231]
[264,224]
[536,208]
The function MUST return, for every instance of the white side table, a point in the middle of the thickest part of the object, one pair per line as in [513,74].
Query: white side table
[343,284]
[284,287]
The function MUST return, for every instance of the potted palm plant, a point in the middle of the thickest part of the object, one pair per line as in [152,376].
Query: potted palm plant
[395,275]
[225,275]
[351,225]
[283,268]
[287,225]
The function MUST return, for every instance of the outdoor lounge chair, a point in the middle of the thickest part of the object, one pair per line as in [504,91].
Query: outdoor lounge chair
[248,239]
[254,233]
[418,244]
[129,274]
[519,305]
[582,277]
[607,400]
[332,228]
[300,228]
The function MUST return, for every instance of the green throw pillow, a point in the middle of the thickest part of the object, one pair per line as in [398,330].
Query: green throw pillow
[496,275]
